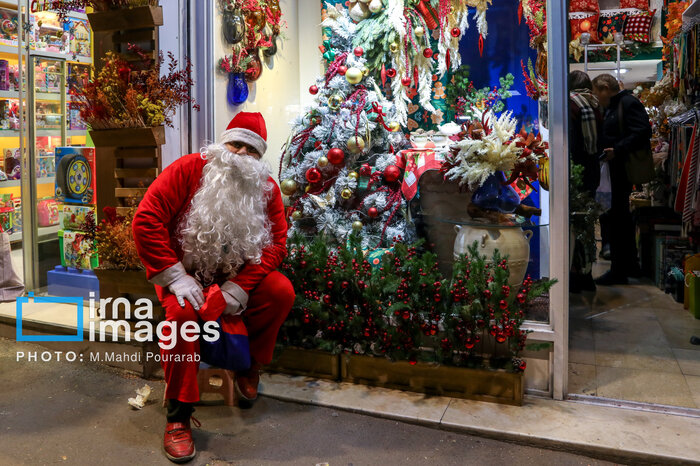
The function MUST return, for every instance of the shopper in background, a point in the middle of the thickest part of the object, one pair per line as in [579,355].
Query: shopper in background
[585,128]
[211,232]
[626,128]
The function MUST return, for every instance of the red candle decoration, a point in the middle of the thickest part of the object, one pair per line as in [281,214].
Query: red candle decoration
[391,173]
[313,90]
[313,175]
[335,156]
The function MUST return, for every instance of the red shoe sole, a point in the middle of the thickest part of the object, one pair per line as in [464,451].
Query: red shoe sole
[182,459]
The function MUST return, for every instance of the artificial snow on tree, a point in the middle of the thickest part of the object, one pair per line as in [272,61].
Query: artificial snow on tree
[339,166]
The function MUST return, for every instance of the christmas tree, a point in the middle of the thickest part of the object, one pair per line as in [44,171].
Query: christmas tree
[339,166]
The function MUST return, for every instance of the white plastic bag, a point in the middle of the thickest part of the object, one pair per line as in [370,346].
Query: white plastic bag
[604,192]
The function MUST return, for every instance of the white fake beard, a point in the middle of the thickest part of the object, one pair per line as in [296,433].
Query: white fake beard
[227,223]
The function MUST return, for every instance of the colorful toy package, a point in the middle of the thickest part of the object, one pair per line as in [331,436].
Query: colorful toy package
[75,175]
[6,212]
[45,164]
[78,32]
[8,26]
[13,163]
[72,217]
[47,212]
[77,250]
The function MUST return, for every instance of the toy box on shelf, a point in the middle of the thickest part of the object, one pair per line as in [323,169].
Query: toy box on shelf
[48,33]
[8,26]
[6,212]
[75,175]
[12,163]
[78,32]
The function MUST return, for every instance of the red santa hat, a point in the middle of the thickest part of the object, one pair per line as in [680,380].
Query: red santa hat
[248,128]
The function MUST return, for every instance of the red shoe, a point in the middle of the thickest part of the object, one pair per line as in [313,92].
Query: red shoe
[178,443]
[246,385]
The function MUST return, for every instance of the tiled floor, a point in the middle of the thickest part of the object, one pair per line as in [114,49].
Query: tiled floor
[632,343]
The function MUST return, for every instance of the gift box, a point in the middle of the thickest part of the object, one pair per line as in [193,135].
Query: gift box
[75,175]
[73,217]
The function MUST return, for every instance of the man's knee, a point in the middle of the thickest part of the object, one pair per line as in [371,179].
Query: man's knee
[176,313]
[277,287]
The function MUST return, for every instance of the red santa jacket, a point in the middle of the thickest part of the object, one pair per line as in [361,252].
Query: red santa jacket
[160,213]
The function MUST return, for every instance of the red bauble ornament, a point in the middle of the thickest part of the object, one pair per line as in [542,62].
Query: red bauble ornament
[372,212]
[313,90]
[342,69]
[329,285]
[406,81]
[313,175]
[335,156]
[391,173]
[428,52]
[327,299]
[456,32]
[365,170]
[358,51]
[469,343]
[391,73]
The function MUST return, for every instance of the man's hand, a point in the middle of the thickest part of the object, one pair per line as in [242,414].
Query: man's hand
[186,287]
[609,155]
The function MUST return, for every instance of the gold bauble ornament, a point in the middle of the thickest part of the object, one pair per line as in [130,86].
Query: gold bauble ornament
[357,225]
[346,193]
[394,126]
[335,101]
[289,187]
[353,175]
[322,162]
[353,75]
[365,71]
[296,215]
[420,32]
[308,188]
[394,47]
[356,144]
[376,6]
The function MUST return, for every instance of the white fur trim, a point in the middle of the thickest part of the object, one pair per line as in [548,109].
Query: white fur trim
[246,136]
[233,291]
[169,275]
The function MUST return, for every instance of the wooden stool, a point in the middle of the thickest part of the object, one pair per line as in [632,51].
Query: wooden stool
[204,380]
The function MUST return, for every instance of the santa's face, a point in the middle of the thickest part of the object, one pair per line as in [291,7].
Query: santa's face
[242,148]
[227,225]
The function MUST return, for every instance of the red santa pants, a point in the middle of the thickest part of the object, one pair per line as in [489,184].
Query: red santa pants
[268,306]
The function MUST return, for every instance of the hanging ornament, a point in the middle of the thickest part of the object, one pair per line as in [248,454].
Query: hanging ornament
[428,52]
[342,69]
[357,225]
[419,31]
[313,175]
[289,187]
[358,51]
[365,71]
[406,81]
[456,32]
[237,89]
[272,49]
[353,75]
[359,12]
[391,73]
[391,173]
[233,26]
[254,70]
[353,175]
[394,126]
[356,144]
[394,47]
[365,169]
[336,156]
[296,215]
[372,212]
[346,194]
[313,90]
[335,101]
[376,6]
[322,162]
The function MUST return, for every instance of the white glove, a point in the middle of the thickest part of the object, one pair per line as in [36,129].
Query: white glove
[186,287]
[236,298]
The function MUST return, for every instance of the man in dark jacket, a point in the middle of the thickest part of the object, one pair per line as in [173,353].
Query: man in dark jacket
[626,128]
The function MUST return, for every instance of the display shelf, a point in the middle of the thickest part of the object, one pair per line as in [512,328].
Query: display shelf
[12,50]
[16,183]
[45,233]
[4,133]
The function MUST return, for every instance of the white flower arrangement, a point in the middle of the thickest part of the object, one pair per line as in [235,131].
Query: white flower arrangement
[472,161]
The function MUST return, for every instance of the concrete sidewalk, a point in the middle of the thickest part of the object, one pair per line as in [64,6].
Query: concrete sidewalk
[77,413]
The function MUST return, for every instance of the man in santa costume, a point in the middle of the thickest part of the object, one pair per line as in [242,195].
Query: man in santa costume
[211,232]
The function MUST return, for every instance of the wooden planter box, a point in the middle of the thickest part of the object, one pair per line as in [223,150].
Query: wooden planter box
[129,137]
[126,18]
[474,384]
[131,284]
[311,363]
